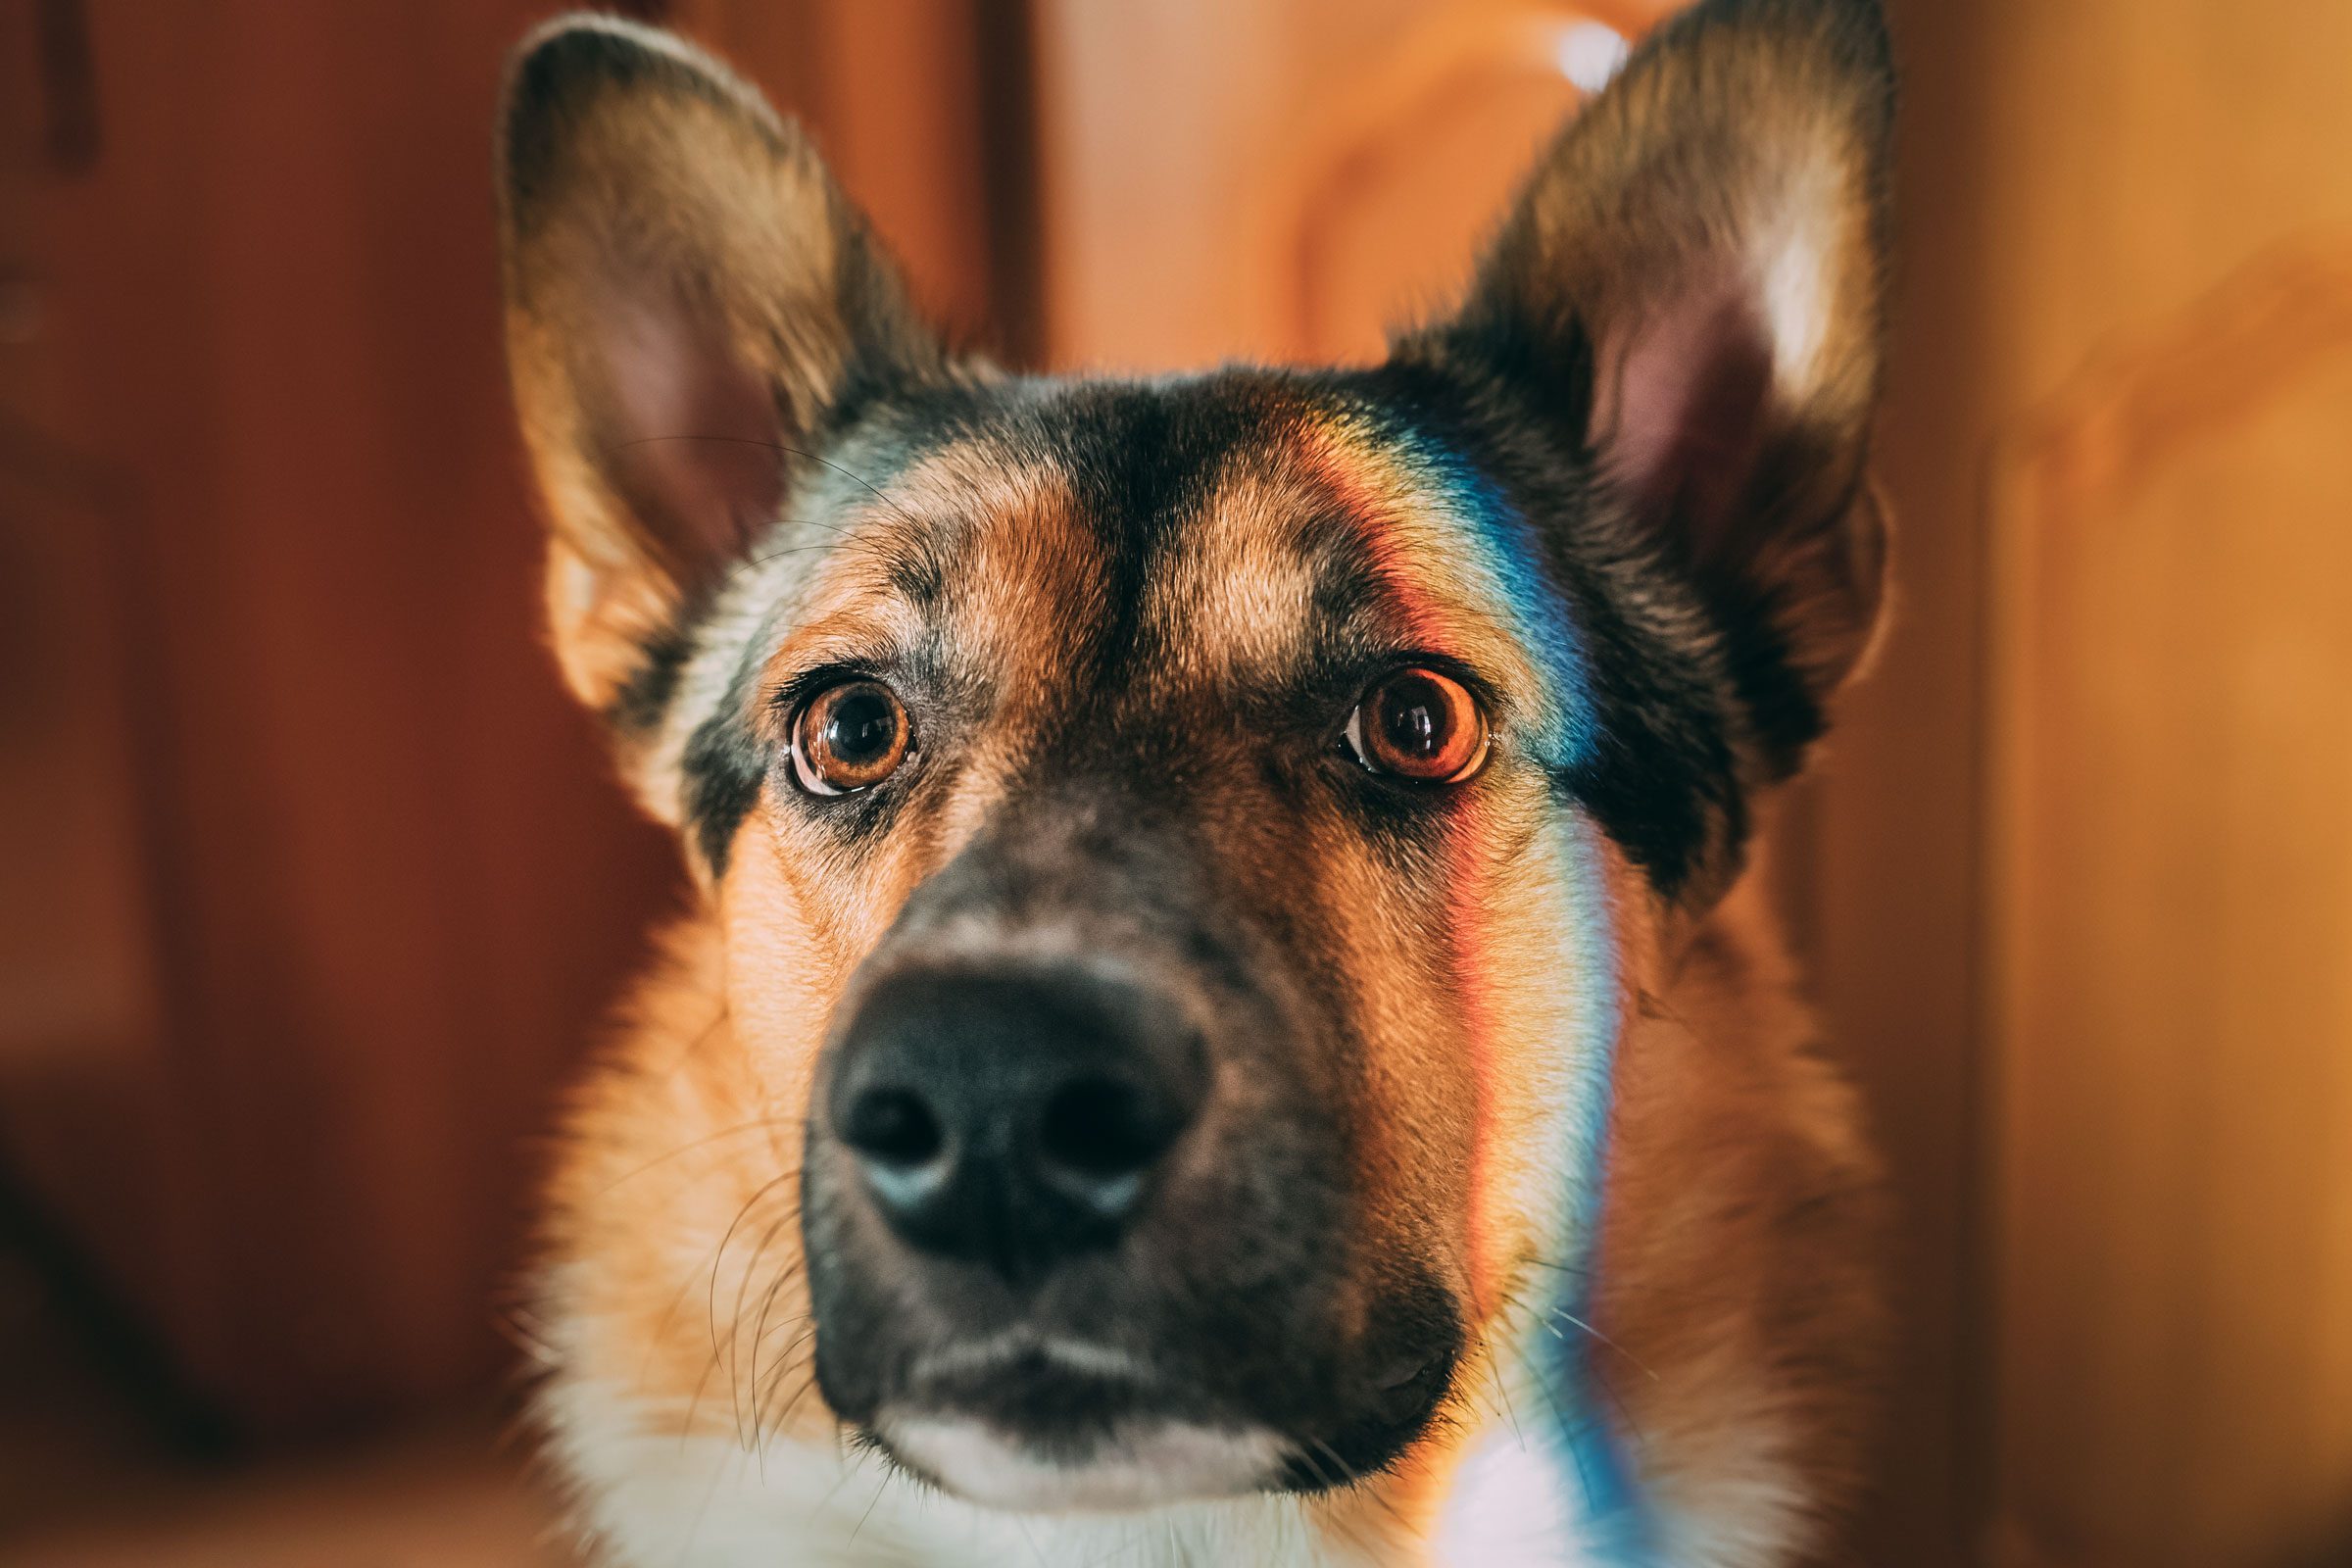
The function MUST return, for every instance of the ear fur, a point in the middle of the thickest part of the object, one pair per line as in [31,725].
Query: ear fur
[1691,286]
[690,300]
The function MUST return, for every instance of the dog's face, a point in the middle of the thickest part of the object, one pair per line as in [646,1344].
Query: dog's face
[1184,847]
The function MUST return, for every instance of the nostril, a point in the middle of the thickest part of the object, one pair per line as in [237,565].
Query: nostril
[1103,1129]
[894,1127]
[1000,1113]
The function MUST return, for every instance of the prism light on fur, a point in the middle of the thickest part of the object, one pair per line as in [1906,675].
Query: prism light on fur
[1221,1020]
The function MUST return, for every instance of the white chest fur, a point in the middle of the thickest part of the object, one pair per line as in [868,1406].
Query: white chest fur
[706,1501]
[651,1500]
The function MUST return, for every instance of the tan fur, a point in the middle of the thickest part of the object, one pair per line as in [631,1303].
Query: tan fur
[1233,596]
[1738,1261]
[1737,1306]
[1734,1323]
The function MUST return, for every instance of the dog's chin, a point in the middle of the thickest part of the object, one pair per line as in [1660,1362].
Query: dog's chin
[1138,1463]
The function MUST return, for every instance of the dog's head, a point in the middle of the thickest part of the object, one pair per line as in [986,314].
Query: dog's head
[1182,846]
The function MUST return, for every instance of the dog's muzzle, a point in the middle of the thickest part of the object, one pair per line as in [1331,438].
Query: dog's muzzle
[1080,1204]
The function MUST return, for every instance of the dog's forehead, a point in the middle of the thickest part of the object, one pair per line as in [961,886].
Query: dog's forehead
[1226,530]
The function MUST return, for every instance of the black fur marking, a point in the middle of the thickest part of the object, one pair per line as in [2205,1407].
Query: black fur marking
[1683,675]
[1786,715]
[1141,458]
[1663,780]
[636,708]
[725,763]
[725,767]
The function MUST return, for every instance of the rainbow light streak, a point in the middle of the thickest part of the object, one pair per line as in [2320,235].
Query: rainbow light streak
[1388,476]
[1615,1511]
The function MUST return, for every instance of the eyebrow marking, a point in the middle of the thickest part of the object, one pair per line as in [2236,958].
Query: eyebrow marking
[1236,596]
[1462,563]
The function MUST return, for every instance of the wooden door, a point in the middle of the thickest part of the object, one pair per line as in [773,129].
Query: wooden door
[311,881]
[1230,180]
[2165,238]
[2111,724]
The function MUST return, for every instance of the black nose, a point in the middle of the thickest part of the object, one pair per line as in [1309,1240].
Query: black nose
[1014,1116]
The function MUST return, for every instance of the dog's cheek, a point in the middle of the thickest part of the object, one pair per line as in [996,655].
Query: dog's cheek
[1542,921]
[669,1181]
[783,971]
[1404,1081]
[801,909]
[1523,944]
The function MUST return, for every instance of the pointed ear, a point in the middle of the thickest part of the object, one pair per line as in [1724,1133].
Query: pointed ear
[1691,286]
[689,302]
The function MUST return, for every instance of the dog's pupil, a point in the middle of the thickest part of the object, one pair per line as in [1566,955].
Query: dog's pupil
[862,725]
[1415,716]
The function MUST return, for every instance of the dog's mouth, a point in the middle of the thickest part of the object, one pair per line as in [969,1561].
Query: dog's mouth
[1058,1423]
[1039,1423]
[1060,1259]
[1142,1464]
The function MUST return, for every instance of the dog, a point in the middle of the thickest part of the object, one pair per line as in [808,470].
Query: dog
[1221,1019]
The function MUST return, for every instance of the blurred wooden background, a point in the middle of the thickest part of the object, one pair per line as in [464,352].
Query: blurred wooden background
[315,880]
[313,885]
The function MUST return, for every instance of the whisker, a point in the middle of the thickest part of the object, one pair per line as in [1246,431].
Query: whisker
[869,1510]
[743,1291]
[719,1259]
[1563,1313]
[1343,1482]
[1585,1420]
[852,1453]
[683,1150]
[773,1422]
[694,1404]
[759,1334]
[1502,1392]
[773,446]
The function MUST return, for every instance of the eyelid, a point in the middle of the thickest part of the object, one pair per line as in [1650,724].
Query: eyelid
[1490,699]
[788,696]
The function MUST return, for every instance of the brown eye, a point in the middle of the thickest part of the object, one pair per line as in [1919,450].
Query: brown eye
[849,737]
[1419,724]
